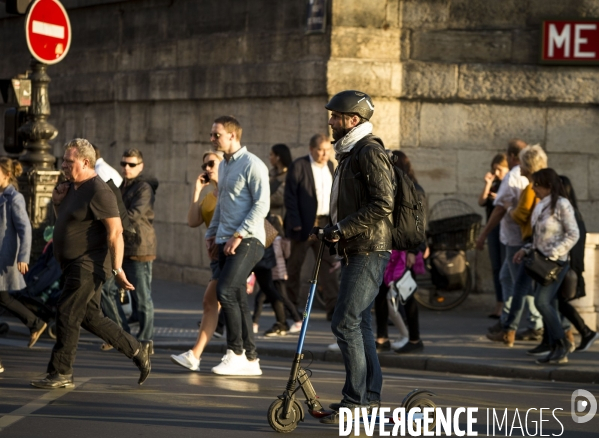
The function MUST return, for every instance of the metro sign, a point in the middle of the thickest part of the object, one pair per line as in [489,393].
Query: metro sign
[48,31]
[572,42]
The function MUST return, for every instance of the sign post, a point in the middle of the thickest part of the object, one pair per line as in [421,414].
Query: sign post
[48,34]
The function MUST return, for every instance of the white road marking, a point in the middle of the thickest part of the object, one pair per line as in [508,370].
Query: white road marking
[29,408]
[47,29]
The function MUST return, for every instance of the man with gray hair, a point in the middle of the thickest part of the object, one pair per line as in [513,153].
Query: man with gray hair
[88,244]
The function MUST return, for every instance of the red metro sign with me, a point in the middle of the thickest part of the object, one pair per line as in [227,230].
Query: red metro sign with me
[48,31]
[574,42]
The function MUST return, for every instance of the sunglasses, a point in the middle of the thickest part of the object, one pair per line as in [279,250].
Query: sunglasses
[125,164]
[208,164]
[215,135]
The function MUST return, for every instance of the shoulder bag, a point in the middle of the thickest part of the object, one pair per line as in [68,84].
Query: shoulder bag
[540,268]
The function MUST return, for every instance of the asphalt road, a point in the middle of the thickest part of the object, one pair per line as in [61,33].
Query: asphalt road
[107,402]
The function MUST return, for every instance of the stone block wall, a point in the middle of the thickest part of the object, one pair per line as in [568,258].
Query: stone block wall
[471,82]
[452,82]
[153,74]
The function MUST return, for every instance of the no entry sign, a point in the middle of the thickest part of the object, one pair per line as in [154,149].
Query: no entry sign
[48,31]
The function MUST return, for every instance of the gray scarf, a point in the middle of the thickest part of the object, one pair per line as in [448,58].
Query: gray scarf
[349,140]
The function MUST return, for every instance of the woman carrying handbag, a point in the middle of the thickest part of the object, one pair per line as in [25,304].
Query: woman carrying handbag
[555,233]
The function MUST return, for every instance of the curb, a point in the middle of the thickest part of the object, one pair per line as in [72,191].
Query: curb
[419,362]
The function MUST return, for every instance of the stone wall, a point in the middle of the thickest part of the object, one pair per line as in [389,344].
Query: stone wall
[153,74]
[452,82]
[471,81]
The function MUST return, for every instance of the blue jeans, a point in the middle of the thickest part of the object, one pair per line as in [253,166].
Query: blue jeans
[361,275]
[546,301]
[111,305]
[139,275]
[508,277]
[522,289]
[497,256]
[232,295]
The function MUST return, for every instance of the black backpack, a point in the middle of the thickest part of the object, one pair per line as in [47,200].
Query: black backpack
[408,209]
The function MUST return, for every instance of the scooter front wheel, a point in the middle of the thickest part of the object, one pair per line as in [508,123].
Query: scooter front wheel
[284,425]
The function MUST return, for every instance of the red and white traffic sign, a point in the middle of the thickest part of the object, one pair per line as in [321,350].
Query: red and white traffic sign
[48,31]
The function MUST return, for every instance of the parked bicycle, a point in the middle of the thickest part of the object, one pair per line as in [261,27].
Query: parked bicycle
[452,230]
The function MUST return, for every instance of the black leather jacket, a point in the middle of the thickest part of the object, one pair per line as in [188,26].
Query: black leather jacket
[138,196]
[365,201]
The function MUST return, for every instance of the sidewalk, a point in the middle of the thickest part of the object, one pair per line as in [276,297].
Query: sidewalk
[454,340]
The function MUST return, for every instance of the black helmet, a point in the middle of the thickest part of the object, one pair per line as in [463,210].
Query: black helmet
[352,101]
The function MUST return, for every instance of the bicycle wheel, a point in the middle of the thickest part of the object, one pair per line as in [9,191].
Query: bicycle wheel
[432,298]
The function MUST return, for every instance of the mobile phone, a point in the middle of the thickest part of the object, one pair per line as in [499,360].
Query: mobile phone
[204,178]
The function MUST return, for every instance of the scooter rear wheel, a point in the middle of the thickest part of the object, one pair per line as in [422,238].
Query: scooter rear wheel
[423,403]
[284,425]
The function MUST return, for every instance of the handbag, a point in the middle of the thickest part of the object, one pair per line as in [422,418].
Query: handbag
[569,286]
[540,268]
[271,233]
[405,286]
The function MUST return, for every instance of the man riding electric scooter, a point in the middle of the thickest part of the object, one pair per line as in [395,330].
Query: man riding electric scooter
[361,225]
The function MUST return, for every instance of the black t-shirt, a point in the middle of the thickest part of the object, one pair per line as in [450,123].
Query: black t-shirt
[489,202]
[79,234]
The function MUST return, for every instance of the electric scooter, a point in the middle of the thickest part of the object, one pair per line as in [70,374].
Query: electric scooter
[286,412]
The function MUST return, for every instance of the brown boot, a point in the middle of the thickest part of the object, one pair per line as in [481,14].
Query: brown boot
[570,339]
[509,337]
[505,336]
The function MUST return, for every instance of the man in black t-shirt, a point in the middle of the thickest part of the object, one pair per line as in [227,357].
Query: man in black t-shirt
[88,244]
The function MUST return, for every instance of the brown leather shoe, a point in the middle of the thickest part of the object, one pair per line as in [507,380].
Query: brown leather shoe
[505,336]
[509,337]
[495,328]
[530,335]
[34,336]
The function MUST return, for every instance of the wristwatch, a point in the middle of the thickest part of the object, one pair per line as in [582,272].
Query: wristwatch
[116,272]
[237,235]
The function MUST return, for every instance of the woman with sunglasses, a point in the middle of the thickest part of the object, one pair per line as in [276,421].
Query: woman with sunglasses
[200,212]
[555,233]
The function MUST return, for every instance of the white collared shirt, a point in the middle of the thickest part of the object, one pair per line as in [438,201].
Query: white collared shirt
[105,171]
[323,182]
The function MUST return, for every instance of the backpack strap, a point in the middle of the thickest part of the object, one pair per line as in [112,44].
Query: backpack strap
[366,140]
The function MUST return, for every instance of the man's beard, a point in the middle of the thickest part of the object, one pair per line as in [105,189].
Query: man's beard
[338,134]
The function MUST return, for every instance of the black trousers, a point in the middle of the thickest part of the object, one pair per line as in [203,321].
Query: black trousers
[411,308]
[79,306]
[570,312]
[26,316]
[267,286]
[381,311]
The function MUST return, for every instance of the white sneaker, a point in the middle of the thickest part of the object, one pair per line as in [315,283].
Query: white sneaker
[255,327]
[232,365]
[253,368]
[397,345]
[334,347]
[186,360]
[296,327]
